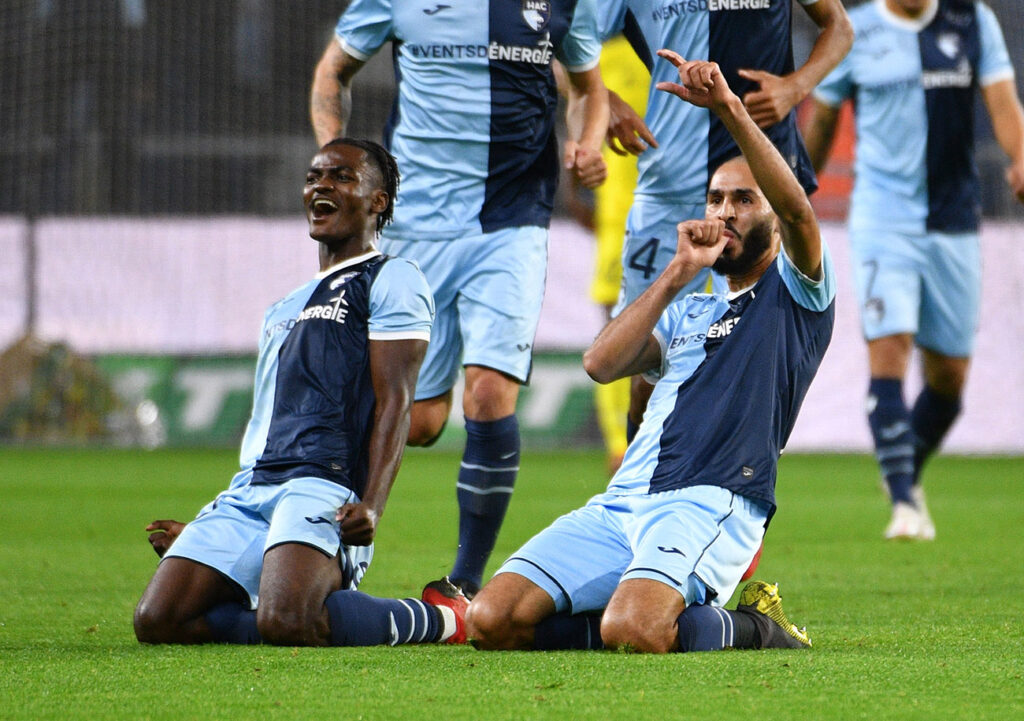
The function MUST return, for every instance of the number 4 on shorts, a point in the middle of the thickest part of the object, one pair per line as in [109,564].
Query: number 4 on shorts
[643,258]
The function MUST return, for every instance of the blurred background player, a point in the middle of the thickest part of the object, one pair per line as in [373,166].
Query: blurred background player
[753,48]
[664,547]
[913,74]
[473,130]
[278,555]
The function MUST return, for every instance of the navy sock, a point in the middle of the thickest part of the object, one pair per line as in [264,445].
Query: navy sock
[894,440]
[233,623]
[490,464]
[631,430]
[706,628]
[358,619]
[564,632]
[931,419]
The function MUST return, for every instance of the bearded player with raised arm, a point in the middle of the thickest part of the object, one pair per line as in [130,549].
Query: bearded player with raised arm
[648,564]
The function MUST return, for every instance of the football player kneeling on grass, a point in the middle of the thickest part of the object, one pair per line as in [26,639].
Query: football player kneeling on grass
[276,558]
[646,565]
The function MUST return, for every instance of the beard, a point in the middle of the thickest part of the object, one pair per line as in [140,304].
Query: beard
[757,240]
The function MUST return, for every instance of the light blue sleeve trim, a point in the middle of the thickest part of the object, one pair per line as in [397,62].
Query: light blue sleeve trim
[611,19]
[580,49]
[995,64]
[662,333]
[400,302]
[815,295]
[364,27]
[400,335]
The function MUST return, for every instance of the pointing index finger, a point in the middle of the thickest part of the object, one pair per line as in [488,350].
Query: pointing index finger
[672,56]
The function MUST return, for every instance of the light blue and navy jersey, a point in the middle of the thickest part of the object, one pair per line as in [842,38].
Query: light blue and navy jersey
[735,369]
[913,84]
[313,399]
[736,34]
[473,123]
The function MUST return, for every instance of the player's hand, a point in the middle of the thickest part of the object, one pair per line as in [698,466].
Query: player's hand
[163,535]
[627,131]
[700,242]
[358,524]
[773,100]
[586,164]
[700,82]
[1015,177]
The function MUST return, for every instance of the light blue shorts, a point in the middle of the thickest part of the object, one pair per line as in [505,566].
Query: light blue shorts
[232,533]
[488,290]
[697,540]
[927,285]
[650,244]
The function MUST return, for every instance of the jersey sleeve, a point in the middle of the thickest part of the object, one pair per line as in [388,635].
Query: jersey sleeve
[580,50]
[814,295]
[837,86]
[611,20]
[364,27]
[663,331]
[401,305]
[995,64]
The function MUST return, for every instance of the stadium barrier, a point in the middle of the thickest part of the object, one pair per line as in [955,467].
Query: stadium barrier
[169,309]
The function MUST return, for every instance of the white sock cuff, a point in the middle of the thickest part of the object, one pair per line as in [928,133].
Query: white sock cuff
[449,625]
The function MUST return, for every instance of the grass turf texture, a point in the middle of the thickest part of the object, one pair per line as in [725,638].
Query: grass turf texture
[901,630]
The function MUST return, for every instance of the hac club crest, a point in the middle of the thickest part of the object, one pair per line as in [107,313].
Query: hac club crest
[949,44]
[537,13]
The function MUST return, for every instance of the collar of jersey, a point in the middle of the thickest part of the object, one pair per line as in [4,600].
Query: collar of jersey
[914,26]
[347,262]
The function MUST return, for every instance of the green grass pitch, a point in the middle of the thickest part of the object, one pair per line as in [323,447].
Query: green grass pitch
[901,630]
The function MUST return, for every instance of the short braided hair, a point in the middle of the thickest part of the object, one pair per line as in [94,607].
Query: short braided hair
[386,166]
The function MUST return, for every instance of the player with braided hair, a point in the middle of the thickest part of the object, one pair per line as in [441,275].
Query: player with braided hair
[277,557]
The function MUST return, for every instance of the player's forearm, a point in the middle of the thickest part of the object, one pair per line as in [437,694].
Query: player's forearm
[830,47]
[819,134]
[387,443]
[799,226]
[330,100]
[1007,116]
[330,105]
[626,346]
[770,170]
[587,112]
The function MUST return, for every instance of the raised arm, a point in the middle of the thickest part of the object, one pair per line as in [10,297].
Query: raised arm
[394,365]
[330,101]
[586,118]
[1008,123]
[777,95]
[703,84]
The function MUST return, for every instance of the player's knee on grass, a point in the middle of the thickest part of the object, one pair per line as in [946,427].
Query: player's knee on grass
[155,621]
[491,625]
[148,623]
[634,632]
[283,624]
